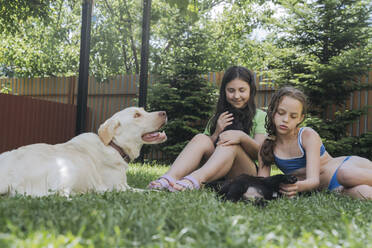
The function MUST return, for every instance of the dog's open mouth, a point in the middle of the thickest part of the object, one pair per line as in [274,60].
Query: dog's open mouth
[154,137]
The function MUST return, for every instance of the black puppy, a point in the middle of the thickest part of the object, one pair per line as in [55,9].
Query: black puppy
[246,187]
[237,123]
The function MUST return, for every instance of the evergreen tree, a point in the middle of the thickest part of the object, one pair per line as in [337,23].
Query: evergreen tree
[329,48]
[324,50]
[182,92]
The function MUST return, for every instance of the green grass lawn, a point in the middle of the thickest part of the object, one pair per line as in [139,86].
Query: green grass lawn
[185,219]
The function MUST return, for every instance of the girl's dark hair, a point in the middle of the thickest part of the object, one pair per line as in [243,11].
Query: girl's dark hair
[267,148]
[243,118]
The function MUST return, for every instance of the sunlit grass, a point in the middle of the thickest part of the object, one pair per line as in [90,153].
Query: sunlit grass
[185,219]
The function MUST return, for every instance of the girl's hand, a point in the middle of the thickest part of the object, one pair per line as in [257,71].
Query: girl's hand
[289,190]
[225,119]
[230,137]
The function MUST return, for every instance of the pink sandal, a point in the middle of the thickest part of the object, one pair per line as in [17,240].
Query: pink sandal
[164,184]
[194,183]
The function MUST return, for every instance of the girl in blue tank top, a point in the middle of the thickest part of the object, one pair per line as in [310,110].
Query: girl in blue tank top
[300,152]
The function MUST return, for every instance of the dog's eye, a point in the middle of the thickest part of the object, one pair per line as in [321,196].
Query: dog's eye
[136,115]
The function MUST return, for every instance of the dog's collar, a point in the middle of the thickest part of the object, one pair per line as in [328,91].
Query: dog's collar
[121,151]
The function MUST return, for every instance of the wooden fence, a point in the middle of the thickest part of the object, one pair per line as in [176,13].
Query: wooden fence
[104,99]
[25,121]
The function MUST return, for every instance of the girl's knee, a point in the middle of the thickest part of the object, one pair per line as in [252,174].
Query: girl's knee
[202,138]
[231,148]
[203,141]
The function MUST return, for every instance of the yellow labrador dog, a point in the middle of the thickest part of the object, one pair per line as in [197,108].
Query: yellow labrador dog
[88,162]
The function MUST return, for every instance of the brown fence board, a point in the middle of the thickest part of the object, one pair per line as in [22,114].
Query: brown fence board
[25,120]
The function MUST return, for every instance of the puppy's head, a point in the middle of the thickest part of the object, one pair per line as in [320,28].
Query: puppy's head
[133,127]
[253,193]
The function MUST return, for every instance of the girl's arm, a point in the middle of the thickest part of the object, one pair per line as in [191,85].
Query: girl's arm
[250,145]
[223,121]
[311,143]
[235,137]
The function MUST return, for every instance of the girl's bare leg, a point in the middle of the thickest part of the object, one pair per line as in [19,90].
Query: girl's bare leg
[189,159]
[354,172]
[359,192]
[229,161]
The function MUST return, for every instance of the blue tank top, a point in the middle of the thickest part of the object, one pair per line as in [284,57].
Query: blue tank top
[290,165]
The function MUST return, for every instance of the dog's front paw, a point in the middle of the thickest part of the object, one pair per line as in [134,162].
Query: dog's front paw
[290,179]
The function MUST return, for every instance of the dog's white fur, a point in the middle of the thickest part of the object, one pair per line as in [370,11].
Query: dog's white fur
[85,163]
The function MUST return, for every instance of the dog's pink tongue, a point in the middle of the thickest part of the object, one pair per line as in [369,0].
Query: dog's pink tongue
[153,134]
[149,137]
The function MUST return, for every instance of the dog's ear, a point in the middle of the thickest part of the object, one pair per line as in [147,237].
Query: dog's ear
[107,130]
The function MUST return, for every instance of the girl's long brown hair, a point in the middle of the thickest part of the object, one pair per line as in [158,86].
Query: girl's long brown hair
[267,148]
[243,116]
